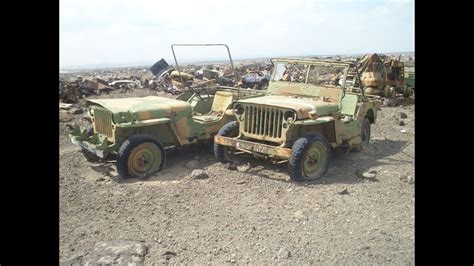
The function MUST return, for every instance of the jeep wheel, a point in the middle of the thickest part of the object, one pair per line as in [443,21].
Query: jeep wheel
[224,153]
[140,156]
[365,132]
[365,135]
[310,158]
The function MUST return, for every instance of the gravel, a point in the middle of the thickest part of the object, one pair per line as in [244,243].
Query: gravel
[254,215]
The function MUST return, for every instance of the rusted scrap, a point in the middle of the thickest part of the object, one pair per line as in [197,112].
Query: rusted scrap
[69,92]
[96,84]
[159,67]
[256,79]
[382,75]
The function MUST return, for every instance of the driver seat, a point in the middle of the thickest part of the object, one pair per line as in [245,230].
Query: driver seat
[222,100]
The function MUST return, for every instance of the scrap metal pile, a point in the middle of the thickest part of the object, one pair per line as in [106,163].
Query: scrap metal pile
[168,78]
[383,75]
[161,77]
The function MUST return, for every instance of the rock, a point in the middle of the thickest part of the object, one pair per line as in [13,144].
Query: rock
[113,252]
[231,166]
[404,177]
[70,126]
[76,111]
[64,116]
[390,102]
[169,252]
[65,106]
[343,192]
[403,131]
[244,167]
[403,115]
[256,169]
[192,164]
[300,215]
[411,179]
[370,175]
[199,174]
[283,253]
[241,182]
[401,123]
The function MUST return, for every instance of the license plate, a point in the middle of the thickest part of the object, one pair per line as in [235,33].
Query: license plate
[251,147]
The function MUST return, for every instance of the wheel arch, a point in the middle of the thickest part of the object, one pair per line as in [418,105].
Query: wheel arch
[163,130]
[327,129]
[371,116]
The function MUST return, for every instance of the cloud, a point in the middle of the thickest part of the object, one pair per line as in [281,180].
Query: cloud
[119,31]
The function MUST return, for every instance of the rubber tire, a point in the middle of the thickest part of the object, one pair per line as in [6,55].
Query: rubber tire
[129,145]
[230,129]
[297,153]
[365,123]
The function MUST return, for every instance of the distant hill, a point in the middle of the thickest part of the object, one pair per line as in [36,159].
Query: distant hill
[218,61]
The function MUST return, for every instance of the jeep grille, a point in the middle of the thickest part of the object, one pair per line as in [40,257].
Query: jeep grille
[263,122]
[103,122]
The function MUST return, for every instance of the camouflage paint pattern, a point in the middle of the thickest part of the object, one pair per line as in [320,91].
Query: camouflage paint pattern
[180,121]
[329,110]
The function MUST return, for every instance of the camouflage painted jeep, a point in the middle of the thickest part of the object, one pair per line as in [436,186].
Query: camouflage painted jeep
[138,130]
[305,114]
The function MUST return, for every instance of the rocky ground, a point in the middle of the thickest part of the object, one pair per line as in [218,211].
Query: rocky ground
[361,212]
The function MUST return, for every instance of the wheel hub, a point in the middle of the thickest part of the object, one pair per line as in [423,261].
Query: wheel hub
[144,159]
[314,160]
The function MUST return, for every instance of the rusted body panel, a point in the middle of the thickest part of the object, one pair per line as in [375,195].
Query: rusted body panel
[382,76]
[283,153]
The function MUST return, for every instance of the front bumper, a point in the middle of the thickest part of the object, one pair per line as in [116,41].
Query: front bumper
[96,143]
[252,147]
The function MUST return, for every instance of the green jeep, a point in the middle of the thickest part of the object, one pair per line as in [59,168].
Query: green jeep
[137,130]
[306,112]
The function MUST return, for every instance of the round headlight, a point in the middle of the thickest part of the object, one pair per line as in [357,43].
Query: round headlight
[239,109]
[289,116]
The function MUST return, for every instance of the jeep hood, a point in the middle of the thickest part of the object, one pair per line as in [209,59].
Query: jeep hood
[301,106]
[142,108]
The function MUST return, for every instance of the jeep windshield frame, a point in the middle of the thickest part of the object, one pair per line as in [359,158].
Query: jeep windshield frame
[202,45]
[304,85]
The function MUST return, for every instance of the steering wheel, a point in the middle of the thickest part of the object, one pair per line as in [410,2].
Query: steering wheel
[191,89]
[194,89]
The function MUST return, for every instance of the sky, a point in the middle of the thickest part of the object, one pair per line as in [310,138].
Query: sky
[140,32]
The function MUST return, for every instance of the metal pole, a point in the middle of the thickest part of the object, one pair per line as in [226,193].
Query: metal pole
[205,44]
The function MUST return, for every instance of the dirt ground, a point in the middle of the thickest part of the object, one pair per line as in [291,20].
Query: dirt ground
[253,214]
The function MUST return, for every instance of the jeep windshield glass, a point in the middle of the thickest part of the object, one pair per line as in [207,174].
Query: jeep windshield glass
[290,72]
[316,74]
